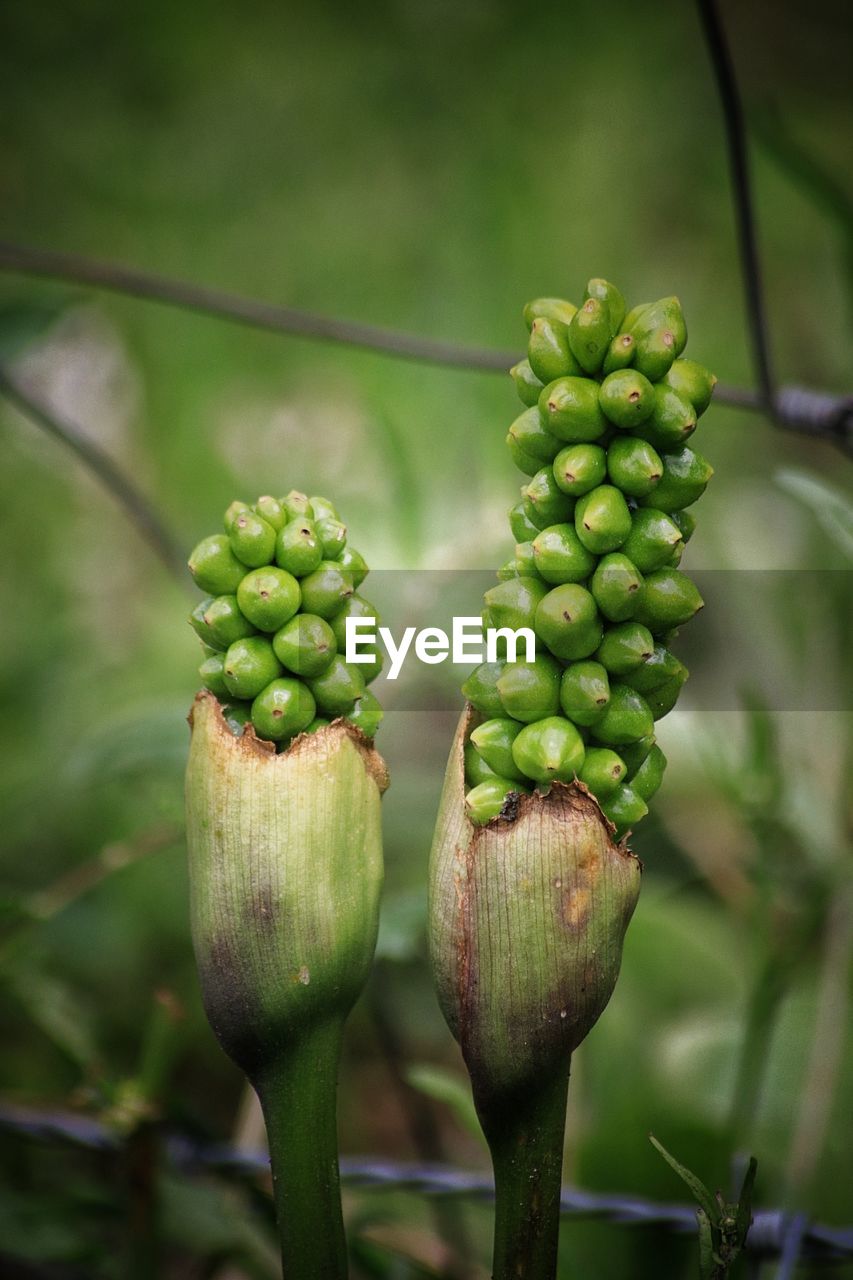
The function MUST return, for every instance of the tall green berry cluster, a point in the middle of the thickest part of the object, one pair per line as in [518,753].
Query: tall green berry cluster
[600,529]
[281,583]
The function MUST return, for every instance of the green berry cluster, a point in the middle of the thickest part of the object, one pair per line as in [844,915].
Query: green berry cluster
[281,583]
[600,528]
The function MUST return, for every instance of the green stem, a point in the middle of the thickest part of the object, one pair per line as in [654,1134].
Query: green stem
[298,1096]
[525,1133]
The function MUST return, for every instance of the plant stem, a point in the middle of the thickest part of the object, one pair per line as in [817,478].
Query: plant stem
[298,1096]
[525,1133]
[765,1000]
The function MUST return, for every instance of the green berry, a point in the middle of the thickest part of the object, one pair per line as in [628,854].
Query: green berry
[669,599]
[523,528]
[297,505]
[493,740]
[549,751]
[212,674]
[626,718]
[633,466]
[685,521]
[626,398]
[672,420]
[608,294]
[633,315]
[237,715]
[584,692]
[319,722]
[619,354]
[624,808]
[579,468]
[337,689]
[692,381]
[271,510]
[554,309]
[656,671]
[481,689]
[282,709]
[526,462]
[225,622]
[476,769]
[616,586]
[625,646]
[367,714]
[525,559]
[252,540]
[527,384]
[513,603]
[250,665]
[333,537]
[652,539]
[269,597]
[634,753]
[568,622]
[530,690]
[649,776]
[486,800]
[214,566]
[548,350]
[232,511]
[660,334]
[305,644]
[685,477]
[590,333]
[201,627]
[322,509]
[509,569]
[327,589]
[559,555]
[547,504]
[570,410]
[662,700]
[354,607]
[602,519]
[529,434]
[602,771]
[370,670]
[355,565]
[298,548]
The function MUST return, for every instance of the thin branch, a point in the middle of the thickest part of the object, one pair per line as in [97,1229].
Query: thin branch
[249,311]
[732,108]
[122,488]
[797,409]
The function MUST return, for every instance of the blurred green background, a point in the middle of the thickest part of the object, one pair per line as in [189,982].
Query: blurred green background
[427,166]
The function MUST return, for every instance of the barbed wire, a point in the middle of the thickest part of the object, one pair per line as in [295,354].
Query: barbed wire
[814,413]
[771,1234]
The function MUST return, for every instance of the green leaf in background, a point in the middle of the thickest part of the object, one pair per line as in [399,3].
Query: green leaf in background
[452,1090]
[832,510]
[402,925]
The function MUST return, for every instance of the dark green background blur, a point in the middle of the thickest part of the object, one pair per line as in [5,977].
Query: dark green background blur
[429,166]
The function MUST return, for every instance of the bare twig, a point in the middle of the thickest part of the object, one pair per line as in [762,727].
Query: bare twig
[732,108]
[249,311]
[134,503]
[798,409]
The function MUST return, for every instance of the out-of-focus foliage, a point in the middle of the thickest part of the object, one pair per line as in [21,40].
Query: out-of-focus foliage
[426,166]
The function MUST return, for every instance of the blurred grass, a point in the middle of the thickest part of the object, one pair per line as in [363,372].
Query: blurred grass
[430,167]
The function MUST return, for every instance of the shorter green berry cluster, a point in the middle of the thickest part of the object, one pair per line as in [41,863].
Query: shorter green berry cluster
[281,583]
[599,532]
